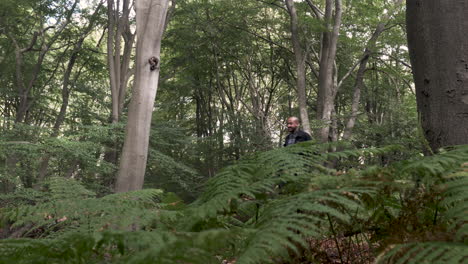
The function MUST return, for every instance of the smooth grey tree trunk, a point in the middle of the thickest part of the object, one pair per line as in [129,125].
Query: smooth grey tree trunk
[300,58]
[438,46]
[150,23]
[119,64]
[326,88]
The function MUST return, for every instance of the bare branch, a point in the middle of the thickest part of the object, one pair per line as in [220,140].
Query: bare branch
[318,13]
[394,58]
[273,3]
[350,71]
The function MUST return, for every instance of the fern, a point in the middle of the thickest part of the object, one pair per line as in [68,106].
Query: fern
[457,202]
[70,207]
[427,252]
[454,249]
[263,209]
[287,223]
[120,247]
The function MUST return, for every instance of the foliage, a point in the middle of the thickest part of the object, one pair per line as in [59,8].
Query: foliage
[448,245]
[227,85]
[70,207]
[263,209]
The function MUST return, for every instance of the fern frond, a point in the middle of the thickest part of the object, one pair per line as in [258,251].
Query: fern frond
[455,201]
[427,252]
[437,165]
[71,208]
[63,188]
[259,175]
[287,223]
[121,247]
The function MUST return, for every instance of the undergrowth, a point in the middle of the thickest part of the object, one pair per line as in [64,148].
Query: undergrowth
[280,206]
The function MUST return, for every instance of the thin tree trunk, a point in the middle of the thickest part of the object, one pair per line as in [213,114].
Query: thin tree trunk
[361,72]
[61,116]
[66,89]
[326,89]
[24,91]
[300,58]
[150,16]
[118,64]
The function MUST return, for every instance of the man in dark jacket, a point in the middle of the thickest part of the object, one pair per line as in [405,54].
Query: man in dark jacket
[295,134]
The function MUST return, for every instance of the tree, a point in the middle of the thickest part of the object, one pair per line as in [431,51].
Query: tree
[26,82]
[150,19]
[68,82]
[326,88]
[300,57]
[119,64]
[359,82]
[438,44]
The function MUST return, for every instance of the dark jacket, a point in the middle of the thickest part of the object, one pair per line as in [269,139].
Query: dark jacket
[296,137]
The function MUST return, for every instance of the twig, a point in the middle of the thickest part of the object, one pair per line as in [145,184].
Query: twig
[335,238]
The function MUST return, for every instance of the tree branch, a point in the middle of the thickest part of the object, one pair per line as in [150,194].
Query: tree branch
[318,13]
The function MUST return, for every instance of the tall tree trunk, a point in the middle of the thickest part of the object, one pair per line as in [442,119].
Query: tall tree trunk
[438,41]
[63,110]
[150,22]
[118,62]
[300,57]
[326,89]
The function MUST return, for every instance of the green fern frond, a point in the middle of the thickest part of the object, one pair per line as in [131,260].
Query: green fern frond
[71,208]
[287,223]
[438,165]
[245,212]
[426,252]
[121,247]
[62,188]
[455,201]
[23,196]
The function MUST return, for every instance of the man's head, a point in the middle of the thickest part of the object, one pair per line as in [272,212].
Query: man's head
[293,124]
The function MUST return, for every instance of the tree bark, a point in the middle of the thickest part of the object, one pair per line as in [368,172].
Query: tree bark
[118,62]
[300,58]
[326,90]
[438,41]
[150,21]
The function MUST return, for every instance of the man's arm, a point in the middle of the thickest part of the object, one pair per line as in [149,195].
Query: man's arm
[304,136]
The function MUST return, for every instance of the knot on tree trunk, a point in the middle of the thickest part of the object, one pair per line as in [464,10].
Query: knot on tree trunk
[154,63]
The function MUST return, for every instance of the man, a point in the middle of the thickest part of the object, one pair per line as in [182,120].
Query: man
[295,134]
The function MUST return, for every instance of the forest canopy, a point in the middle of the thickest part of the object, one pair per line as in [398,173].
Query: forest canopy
[154,131]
